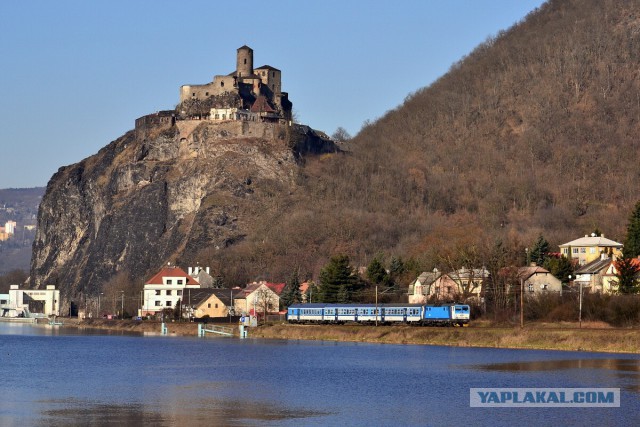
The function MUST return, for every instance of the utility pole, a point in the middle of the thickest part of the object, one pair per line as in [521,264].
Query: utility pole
[521,303]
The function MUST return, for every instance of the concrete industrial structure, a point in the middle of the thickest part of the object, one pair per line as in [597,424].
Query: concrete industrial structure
[30,302]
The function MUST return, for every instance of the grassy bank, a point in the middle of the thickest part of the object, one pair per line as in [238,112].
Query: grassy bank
[532,337]
[556,336]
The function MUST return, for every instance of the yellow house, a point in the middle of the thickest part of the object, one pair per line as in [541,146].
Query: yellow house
[610,278]
[210,302]
[588,248]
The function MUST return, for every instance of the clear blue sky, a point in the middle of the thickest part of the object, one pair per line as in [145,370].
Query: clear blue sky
[75,74]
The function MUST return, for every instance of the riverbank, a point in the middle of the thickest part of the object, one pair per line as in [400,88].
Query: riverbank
[538,336]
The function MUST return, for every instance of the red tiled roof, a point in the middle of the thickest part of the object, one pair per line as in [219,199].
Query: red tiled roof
[262,106]
[276,287]
[171,272]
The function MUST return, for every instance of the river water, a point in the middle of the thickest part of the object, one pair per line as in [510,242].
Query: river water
[56,376]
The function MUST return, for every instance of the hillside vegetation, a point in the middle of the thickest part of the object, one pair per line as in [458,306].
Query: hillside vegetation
[535,132]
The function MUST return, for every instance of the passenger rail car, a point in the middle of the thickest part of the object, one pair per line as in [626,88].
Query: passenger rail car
[419,314]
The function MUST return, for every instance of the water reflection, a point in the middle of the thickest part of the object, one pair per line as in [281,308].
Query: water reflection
[554,365]
[203,411]
[628,369]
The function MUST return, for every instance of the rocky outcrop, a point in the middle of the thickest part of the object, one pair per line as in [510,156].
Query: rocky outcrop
[161,194]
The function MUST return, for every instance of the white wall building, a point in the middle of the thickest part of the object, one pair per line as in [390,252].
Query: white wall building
[165,289]
[10,227]
[31,302]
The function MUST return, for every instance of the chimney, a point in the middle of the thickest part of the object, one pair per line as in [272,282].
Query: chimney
[207,270]
[190,271]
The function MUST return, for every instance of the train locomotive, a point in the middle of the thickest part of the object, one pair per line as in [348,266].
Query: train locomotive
[415,314]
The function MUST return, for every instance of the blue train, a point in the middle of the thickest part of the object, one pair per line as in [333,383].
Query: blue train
[418,314]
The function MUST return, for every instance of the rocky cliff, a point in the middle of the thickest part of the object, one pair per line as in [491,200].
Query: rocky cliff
[160,194]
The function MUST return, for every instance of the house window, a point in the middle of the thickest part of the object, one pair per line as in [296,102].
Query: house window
[575,250]
[168,303]
[583,250]
[592,250]
[169,281]
[530,287]
[544,286]
[157,291]
[179,292]
[169,292]
[216,305]
[209,305]
[158,304]
[179,281]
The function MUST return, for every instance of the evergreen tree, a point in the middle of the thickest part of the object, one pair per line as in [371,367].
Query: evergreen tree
[291,292]
[343,295]
[632,243]
[336,273]
[539,251]
[313,293]
[396,267]
[561,268]
[376,272]
[627,275]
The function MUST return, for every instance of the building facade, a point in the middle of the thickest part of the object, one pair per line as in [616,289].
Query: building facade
[31,302]
[166,289]
[589,248]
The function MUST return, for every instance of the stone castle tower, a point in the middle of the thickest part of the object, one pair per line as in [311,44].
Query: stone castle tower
[244,63]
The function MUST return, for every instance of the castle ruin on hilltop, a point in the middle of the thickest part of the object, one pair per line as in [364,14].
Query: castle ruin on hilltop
[246,94]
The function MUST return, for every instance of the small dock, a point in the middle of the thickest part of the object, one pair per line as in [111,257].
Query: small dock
[214,329]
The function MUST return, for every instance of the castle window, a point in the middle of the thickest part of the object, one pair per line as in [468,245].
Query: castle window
[206,94]
[273,74]
[193,94]
[221,84]
[245,60]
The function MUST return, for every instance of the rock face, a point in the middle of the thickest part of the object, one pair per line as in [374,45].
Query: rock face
[159,194]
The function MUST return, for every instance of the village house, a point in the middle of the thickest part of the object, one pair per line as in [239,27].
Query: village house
[588,248]
[592,275]
[537,280]
[258,298]
[456,286]
[165,289]
[609,277]
[210,302]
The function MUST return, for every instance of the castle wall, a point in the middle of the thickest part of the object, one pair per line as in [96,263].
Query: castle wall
[158,121]
[218,86]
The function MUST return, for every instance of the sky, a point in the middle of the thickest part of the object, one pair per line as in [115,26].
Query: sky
[75,74]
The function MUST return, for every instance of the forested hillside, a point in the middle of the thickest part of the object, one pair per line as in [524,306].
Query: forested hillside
[535,132]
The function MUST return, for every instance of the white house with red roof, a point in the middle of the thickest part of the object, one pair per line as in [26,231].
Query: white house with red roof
[168,286]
